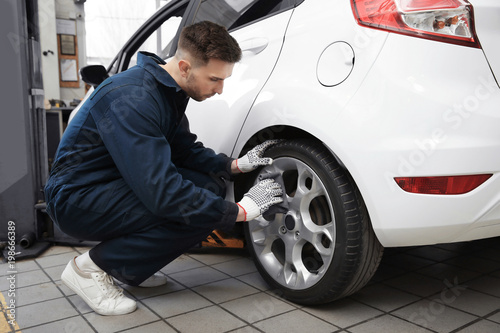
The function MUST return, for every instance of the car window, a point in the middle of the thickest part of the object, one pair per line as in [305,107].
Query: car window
[235,13]
[156,35]
[160,41]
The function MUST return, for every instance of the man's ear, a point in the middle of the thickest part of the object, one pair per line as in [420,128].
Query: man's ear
[184,67]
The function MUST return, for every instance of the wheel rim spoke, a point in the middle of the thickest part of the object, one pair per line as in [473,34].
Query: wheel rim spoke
[314,235]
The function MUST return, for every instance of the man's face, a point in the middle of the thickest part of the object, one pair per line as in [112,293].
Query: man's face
[205,81]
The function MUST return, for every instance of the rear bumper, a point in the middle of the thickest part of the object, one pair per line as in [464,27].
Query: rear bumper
[431,115]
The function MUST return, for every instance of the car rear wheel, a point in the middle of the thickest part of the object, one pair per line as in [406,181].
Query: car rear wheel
[323,248]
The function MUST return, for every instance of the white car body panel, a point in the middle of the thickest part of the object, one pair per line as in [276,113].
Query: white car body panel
[362,122]
[261,44]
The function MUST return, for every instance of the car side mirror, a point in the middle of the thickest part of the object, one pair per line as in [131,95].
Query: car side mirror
[94,74]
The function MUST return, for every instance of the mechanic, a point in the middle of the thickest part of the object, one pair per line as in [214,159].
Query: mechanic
[129,173]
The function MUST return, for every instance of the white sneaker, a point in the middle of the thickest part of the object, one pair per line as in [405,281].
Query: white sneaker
[97,290]
[155,280]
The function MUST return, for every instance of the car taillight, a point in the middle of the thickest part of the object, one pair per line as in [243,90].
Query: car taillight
[450,21]
[442,184]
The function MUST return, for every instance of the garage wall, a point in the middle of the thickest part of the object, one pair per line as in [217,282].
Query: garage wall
[48,42]
[49,11]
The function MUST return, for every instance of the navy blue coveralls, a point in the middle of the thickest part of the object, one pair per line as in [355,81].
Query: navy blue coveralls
[129,173]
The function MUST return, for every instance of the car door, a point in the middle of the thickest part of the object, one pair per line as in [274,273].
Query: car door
[159,34]
[259,27]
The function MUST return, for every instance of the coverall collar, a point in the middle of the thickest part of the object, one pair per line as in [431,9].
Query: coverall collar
[150,61]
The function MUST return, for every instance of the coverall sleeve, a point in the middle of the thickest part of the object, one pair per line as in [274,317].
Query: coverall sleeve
[131,131]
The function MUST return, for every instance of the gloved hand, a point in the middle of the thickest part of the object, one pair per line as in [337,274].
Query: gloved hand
[253,159]
[260,197]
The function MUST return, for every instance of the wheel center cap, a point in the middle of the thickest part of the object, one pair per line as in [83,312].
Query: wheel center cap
[290,222]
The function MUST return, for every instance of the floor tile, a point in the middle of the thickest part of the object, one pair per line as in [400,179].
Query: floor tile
[472,302]
[110,324]
[20,267]
[475,263]
[486,284]
[495,317]
[434,315]
[182,263]
[225,290]
[56,260]
[236,267]
[407,262]
[141,293]
[417,284]
[449,272]
[25,279]
[490,254]
[482,326]
[495,274]
[208,320]
[432,253]
[442,288]
[53,250]
[295,321]
[255,280]
[383,297]
[344,313]
[257,307]
[386,272]
[80,304]
[246,329]
[386,324]
[176,303]
[37,293]
[156,327]
[66,291]
[73,324]
[52,310]
[55,272]
[198,276]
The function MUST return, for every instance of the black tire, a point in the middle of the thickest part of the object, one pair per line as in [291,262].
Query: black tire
[324,248]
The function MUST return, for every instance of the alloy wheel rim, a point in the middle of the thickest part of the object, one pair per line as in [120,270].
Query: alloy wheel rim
[296,248]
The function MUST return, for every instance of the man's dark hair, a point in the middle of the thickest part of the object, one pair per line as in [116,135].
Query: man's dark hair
[207,40]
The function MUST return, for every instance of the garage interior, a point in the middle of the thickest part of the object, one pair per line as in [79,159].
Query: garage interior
[440,288]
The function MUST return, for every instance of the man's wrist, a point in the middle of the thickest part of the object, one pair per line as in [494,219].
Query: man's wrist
[234,167]
[242,214]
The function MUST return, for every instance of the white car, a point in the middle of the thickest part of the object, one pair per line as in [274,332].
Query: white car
[390,115]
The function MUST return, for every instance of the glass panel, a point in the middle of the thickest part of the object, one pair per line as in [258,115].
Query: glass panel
[160,41]
[234,13]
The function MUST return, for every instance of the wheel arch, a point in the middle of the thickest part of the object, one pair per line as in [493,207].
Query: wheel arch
[287,132]
[244,181]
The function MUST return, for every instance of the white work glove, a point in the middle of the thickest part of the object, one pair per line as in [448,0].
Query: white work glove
[260,197]
[253,159]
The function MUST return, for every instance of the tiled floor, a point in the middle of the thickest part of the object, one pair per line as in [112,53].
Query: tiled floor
[443,288]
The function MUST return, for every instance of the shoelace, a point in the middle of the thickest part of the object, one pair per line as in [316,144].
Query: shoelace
[108,286]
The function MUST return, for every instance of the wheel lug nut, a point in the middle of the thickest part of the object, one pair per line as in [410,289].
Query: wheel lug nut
[297,234]
[283,229]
